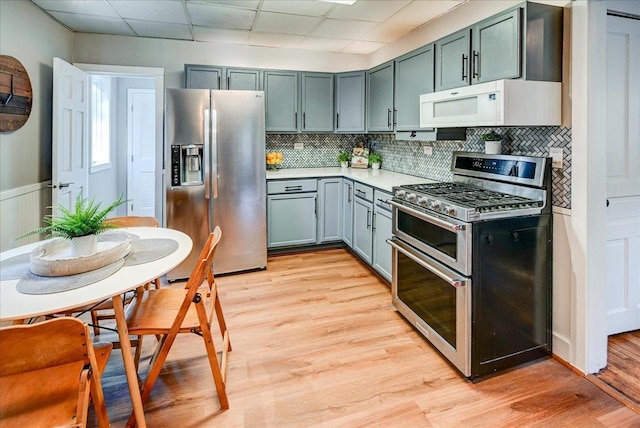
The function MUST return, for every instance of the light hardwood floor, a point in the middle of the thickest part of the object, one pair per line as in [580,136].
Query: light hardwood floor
[317,343]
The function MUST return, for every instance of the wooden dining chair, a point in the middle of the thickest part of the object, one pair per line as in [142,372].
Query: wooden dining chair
[170,311]
[49,372]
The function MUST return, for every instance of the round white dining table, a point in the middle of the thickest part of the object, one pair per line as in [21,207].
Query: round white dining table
[15,305]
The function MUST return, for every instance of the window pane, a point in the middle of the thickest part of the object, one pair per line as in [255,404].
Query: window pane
[100,120]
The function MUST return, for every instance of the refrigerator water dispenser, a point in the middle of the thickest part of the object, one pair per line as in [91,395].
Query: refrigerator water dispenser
[186,165]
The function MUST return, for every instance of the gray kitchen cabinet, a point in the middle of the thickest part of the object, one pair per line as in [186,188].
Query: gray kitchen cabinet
[363,222]
[413,77]
[380,98]
[329,210]
[381,232]
[347,212]
[202,77]
[452,60]
[291,213]
[281,100]
[522,42]
[317,102]
[350,102]
[243,79]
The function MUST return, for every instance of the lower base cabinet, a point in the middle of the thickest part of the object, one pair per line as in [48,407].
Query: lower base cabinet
[381,232]
[291,213]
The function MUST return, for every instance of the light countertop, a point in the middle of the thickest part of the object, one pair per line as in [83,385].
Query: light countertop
[381,179]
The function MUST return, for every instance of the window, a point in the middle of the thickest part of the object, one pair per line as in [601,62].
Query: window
[100,108]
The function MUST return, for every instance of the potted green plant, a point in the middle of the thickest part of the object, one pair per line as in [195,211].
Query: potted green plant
[375,159]
[344,157]
[81,226]
[492,142]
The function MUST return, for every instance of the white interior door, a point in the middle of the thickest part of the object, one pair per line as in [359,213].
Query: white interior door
[623,175]
[70,135]
[141,123]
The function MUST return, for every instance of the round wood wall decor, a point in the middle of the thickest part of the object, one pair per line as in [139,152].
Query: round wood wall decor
[15,94]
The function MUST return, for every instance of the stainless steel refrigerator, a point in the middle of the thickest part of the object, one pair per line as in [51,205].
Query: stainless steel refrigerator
[215,175]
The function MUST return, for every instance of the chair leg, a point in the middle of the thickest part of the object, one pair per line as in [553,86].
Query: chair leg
[218,377]
[221,321]
[95,322]
[136,356]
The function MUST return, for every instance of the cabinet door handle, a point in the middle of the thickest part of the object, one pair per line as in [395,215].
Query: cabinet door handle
[395,117]
[475,65]
[368,218]
[228,82]
[304,120]
[337,120]
[292,188]
[349,196]
[373,221]
[295,116]
[464,69]
[219,87]
[389,117]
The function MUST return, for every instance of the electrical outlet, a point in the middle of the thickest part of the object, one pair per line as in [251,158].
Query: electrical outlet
[298,146]
[427,150]
[556,154]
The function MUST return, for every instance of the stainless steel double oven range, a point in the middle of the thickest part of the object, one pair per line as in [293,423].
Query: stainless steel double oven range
[472,261]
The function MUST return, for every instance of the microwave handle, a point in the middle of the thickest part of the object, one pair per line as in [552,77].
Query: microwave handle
[452,227]
[453,282]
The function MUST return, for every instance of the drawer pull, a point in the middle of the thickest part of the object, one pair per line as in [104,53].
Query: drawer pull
[292,188]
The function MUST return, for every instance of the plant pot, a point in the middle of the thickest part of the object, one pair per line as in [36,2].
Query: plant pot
[344,164]
[375,165]
[84,245]
[493,147]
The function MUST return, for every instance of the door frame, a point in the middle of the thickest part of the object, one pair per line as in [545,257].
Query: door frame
[157,74]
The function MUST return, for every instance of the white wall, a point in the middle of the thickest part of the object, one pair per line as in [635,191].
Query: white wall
[173,54]
[33,38]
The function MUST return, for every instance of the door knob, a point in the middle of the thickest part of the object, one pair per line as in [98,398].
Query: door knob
[607,202]
[63,185]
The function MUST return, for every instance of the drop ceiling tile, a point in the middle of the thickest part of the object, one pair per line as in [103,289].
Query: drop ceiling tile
[333,28]
[421,11]
[205,34]
[275,40]
[363,48]
[160,29]
[94,24]
[269,22]
[322,44]
[298,7]
[369,10]
[246,4]
[387,33]
[161,10]
[213,16]
[98,7]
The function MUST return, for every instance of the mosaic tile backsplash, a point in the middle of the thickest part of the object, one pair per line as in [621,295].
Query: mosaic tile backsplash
[407,157]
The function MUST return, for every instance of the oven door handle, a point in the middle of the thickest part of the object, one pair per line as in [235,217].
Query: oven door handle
[431,219]
[453,282]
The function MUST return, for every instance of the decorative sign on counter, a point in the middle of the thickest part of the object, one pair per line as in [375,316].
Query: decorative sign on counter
[360,158]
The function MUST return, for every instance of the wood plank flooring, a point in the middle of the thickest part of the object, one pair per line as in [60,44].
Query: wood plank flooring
[623,366]
[317,343]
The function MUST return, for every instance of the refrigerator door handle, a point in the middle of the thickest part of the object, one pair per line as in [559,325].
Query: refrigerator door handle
[214,153]
[205,154]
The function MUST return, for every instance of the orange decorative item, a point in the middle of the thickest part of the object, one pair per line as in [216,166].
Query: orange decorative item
[274,159]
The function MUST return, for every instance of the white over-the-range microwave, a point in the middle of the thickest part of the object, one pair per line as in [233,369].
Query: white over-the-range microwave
[497,103]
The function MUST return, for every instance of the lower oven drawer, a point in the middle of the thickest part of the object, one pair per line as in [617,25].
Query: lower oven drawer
[436,300]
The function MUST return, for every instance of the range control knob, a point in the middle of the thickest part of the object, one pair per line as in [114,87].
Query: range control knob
[400,194]
[411,197]
[422,201]
[450,210]
[434,205]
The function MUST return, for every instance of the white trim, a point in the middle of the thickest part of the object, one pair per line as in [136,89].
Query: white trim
[18,191]
[562,211]
[118,70]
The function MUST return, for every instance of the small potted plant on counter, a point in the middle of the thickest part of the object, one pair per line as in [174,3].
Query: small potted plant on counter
[375,159]
[81,225]
[344,157]
[492,142]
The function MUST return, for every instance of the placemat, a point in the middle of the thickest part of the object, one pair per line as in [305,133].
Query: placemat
[148,250]
[34,284]
[14,267]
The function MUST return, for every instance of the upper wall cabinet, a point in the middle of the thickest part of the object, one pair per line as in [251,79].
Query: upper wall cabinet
[202,77]
[243,79]
[350,109]
[281,104]
[522,42]
[317,102]
[380,98]
[413,77]
[214,77]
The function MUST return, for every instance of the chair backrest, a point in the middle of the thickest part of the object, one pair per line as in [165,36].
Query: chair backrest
[132,221]
[45,374]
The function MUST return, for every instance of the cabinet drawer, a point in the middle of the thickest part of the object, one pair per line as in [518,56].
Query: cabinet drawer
[380,199]
[363,191]
[291,186]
